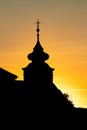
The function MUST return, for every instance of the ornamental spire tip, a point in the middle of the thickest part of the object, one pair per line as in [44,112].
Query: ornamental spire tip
[38,29]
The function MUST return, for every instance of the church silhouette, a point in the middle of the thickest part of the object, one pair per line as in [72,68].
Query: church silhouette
[37,95]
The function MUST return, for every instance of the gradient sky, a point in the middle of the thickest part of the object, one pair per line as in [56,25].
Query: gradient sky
[63,35]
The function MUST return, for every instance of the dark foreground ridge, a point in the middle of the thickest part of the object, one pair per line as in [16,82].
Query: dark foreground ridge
[36,102]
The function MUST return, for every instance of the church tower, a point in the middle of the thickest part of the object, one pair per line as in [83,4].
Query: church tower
[38,74]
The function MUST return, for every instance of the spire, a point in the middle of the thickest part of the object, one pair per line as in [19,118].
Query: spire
[38,45]
[38,30]
[38,55]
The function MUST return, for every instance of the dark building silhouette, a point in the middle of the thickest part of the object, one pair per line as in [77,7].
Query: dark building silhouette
[6,76]
[37,97]
[7,79]
[38,73]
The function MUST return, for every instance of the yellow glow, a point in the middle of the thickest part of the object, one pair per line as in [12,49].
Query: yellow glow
[77,96]
[69,71]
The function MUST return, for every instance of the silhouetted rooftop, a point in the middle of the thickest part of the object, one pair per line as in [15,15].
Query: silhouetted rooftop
[6,74]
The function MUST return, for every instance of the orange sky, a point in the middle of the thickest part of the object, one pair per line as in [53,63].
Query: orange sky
[63,35]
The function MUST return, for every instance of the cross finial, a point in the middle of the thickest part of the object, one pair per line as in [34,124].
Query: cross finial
[38,22]
[38,30]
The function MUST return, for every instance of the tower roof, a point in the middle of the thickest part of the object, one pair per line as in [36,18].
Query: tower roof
[38,54]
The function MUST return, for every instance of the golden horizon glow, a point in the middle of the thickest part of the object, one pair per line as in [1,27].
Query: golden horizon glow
[63,36]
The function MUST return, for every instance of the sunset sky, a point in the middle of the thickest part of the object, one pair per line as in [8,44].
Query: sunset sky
[63,35]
